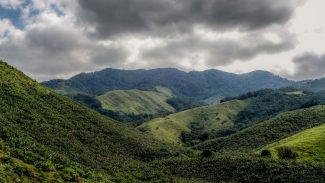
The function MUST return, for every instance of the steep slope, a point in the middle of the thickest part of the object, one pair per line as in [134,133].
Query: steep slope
[51,132]
[269,131]
[136,102]
[212,117]
[192,85]
[309,144]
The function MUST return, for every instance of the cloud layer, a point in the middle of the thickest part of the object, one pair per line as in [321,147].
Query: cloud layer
[61,38]
[167,17]
[309,66]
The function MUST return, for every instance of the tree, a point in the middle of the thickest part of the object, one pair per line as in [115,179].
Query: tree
[266,153]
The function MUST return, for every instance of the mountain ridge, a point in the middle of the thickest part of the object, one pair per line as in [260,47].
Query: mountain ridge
[195,85]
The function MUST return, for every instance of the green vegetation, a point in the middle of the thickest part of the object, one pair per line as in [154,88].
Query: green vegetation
[261,134]
[46,137]
[134,106]
[286,153]
[231,116]
[267,103]
[136,102]
[16,170]
[243,168]
[210,118]
[51,132]
[309,144]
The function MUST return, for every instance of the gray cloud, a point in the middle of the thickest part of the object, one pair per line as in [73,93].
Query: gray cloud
[45,52]
[168,17]
[219,52]
[58,46]
[308,66]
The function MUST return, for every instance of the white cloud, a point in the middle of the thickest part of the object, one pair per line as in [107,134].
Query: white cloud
[12,4]
[51,46]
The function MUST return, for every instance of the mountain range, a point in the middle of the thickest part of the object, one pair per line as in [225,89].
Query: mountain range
[209,86]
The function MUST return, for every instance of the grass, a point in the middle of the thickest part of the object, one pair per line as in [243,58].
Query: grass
[296,93]
[41,127]
[309,144]
[137,102]
[269,131]
[212,117]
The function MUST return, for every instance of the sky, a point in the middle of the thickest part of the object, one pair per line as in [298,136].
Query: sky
[49,39]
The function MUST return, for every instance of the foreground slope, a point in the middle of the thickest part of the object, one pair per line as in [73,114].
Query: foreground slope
[136,102]
[53,133]
[309,144]
[228,167]
[269,131]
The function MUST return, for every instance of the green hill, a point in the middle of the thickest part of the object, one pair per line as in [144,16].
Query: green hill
[212,117]
[269,131]
[136,102]
[232,115]
[48,131]
[309,144]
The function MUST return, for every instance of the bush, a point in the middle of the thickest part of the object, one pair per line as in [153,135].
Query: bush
[266,153]
[286,153]
[206,154]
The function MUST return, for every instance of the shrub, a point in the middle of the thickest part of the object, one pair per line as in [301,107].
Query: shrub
[266,153]
[286,153]
[206,154]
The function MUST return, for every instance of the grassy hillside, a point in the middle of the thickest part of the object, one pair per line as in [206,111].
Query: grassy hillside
[232,115]
[54,134]
[136,102]
[309,144]
[269,131]
[213,117]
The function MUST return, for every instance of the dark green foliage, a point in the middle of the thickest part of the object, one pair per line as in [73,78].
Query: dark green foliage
[88,100]
[266,153]
[206,154]
[196,135]
[192,85]
[287,153]
[279,127]
[238,168]
[180,104]
[267,103]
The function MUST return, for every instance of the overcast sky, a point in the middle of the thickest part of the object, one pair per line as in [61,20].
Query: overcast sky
[49,39]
